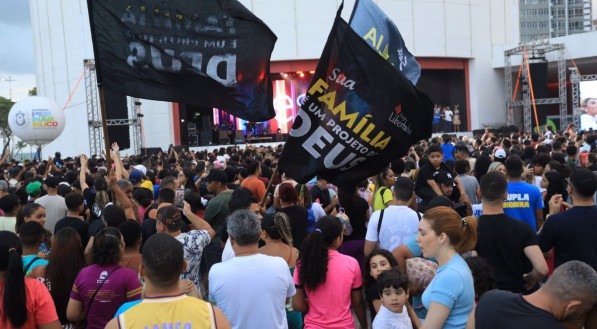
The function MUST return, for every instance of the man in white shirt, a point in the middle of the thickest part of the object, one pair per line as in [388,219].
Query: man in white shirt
[398,221]
[251,288]
[448,115]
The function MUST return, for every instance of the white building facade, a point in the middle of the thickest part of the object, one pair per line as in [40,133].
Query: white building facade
[442,34]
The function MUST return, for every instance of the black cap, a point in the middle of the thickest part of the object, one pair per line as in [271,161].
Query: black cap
[444,177]
[216,175]
[169,215]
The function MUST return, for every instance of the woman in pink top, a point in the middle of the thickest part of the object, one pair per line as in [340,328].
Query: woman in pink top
[327,282]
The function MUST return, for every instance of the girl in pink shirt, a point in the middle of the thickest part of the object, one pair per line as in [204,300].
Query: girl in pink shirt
[327,282]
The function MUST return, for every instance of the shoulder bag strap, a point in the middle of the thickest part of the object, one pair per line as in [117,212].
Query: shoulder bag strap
[30,263]
[379,223]
[97,290]
[381,193]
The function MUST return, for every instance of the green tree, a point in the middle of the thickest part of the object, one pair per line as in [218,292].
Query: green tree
[5,106]
[32,92]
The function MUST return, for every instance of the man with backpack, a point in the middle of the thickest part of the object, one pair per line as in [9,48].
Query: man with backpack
[388,227]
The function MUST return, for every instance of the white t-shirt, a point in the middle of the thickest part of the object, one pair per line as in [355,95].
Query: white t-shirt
[537,182]
[317,210]
[55,210]
[448,115]
[477,209]
[252,291]
[228,252]
[223,158]
[587,121]
[387,319]
[398,223]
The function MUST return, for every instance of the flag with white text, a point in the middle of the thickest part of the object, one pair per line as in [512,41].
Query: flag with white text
[359,115]
[212,53]
[371,23]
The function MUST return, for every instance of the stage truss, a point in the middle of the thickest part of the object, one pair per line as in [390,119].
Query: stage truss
[94,121]
[575,80]
[538,49]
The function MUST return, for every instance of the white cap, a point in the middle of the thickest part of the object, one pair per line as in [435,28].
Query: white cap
[500,153]
[141,168]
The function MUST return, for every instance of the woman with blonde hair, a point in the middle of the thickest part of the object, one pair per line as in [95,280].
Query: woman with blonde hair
[450,296]
[275,232]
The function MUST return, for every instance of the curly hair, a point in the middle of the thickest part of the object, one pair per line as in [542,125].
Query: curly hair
[313,258]
[106,247]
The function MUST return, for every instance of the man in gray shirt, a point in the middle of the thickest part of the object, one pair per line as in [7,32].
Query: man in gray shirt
[471,185]
[53,203]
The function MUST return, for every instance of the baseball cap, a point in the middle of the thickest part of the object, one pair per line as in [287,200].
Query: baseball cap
[444,177]
[169,216]
[33,188]
[135,177]
[216,175]
[500,154]
[141,168]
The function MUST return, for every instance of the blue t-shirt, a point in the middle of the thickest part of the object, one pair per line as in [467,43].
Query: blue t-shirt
[448,151]
[38,262]
[453,288]
[126,306]
[523,200]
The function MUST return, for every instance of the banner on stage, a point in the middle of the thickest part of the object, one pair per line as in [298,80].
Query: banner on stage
[212,53]
[359,115]
[371,23]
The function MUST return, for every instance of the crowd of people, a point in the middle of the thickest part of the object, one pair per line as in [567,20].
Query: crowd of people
[446,118]
[491,231]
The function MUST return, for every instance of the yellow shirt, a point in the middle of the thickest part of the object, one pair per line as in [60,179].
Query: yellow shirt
[168,312]
[387,196]
[147,184]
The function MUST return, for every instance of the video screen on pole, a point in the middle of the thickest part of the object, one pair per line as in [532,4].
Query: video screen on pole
[588,104]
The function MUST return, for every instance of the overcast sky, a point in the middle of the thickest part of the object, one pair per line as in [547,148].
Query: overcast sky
[16,48]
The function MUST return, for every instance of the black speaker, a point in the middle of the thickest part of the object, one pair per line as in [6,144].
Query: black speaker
[116,108]
[539,79]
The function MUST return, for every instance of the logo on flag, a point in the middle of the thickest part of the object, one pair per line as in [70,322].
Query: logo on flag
[358,116]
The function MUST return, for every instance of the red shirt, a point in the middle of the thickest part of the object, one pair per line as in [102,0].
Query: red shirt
[40,306]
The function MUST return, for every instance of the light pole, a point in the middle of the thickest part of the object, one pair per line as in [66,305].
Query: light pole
[9,80]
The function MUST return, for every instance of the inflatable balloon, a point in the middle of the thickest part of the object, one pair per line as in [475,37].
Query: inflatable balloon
[36,120]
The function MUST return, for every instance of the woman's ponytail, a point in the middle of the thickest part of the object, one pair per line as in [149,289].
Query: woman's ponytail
[313,258]
[14,300]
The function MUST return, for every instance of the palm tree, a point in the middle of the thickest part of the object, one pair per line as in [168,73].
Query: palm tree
[19,146]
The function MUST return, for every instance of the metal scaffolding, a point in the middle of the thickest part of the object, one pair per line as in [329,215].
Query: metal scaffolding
[537,49]
[94,121]
[575,80]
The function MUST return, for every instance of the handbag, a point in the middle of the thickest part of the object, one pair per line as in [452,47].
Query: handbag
[420,272]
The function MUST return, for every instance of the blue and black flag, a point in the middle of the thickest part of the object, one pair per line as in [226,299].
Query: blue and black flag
[373,25]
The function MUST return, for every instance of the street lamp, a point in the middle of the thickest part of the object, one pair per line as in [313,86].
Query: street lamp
[9,80]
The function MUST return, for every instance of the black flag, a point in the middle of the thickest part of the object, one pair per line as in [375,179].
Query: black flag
[212,53]
[359,115]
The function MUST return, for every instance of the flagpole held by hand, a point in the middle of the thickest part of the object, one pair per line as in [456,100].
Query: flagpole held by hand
[269,184]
